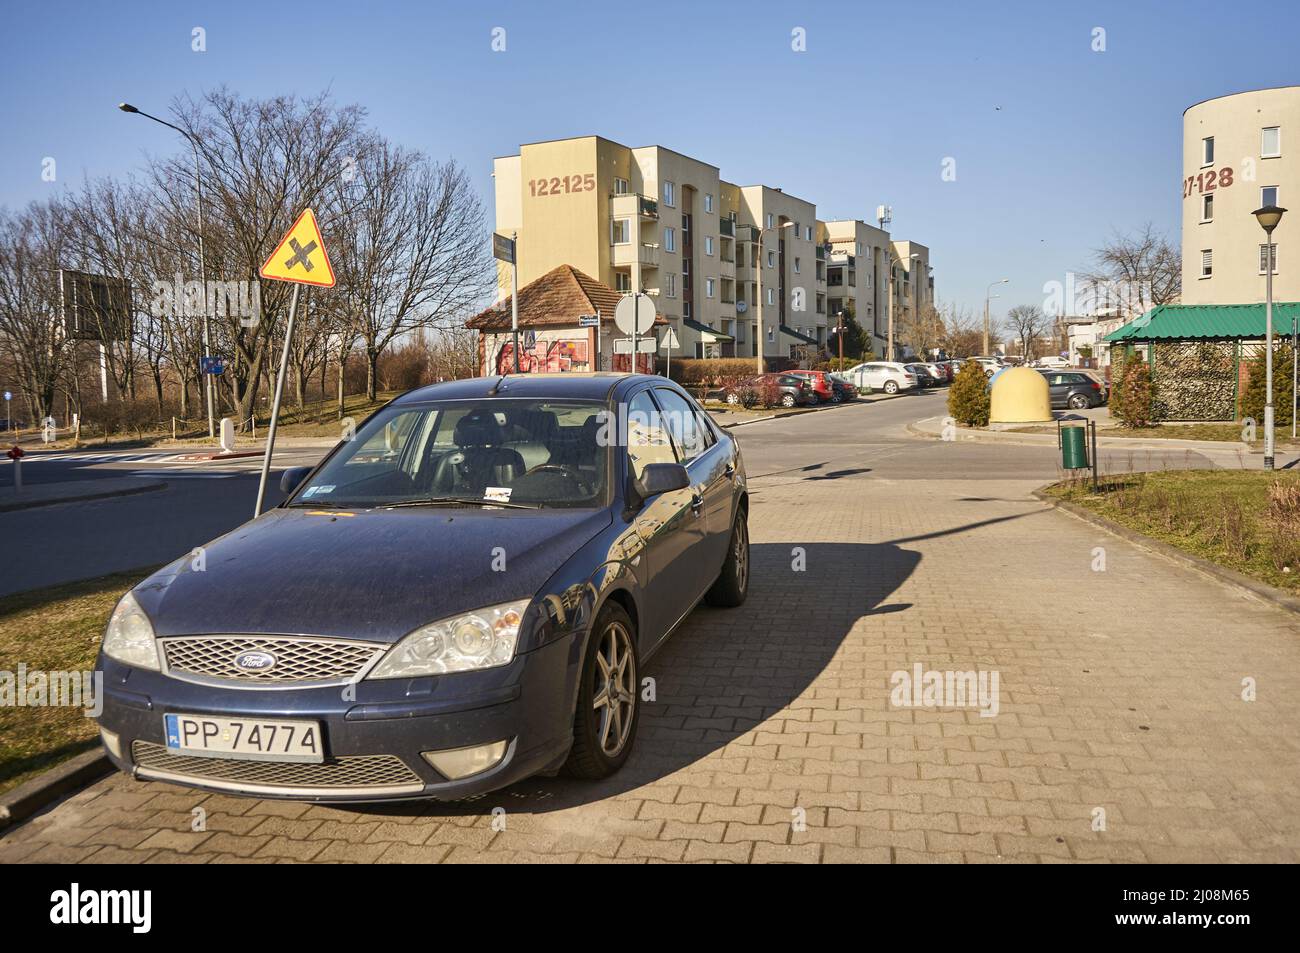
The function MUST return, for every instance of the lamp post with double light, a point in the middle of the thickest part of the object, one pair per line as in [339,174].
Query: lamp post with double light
[1268,217]
[203,271]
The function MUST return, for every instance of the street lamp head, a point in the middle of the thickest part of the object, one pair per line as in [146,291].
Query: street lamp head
[127,108]
[1268,217]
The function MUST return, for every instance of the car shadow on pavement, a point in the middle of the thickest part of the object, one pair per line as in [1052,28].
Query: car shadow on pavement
[727,671]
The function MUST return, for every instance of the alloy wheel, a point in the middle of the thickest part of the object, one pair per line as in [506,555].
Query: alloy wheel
[740,554]
[614,696]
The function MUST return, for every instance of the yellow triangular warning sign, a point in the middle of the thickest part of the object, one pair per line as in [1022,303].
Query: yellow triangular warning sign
[301,256]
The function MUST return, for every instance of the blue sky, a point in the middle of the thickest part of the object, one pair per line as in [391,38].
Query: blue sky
[1055,145]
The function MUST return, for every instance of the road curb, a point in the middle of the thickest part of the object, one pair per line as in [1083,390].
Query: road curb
[1109,443]
[44,789]
[8,507]
[1261,590]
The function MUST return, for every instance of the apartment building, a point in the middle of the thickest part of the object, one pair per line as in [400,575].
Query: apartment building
[735,270]
[1239,154]
[857,276]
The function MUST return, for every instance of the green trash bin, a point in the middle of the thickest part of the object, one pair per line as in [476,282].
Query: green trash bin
[1074,448]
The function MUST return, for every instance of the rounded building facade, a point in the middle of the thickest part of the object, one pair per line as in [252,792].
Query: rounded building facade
[1240,152]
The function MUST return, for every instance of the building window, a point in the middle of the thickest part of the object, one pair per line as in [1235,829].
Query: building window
[622,281]
[708,201]
[771,259]
[620,231]
[670,239]
[620,186]
[769,219]
[1207,151]
[859,247]
[708,244]
[708,287]
[1207,262]
[670,195]
[771,333]
[1207,208]
[670,285]
[686,310]
[1268,196]
[771,296]
[796,264]
[1264,255]
[807,233]
[1270,142]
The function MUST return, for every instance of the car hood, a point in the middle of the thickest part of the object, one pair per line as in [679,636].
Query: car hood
[369,574]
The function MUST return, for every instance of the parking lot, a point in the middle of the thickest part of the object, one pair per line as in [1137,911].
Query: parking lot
[1120,731]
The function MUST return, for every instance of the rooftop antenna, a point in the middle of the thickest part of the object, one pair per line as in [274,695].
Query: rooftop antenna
[496,388]
[885,216]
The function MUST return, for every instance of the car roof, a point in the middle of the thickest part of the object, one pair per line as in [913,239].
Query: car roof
[596,386]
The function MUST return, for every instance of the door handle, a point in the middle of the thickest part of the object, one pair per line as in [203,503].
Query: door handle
[730,471]
[697,502]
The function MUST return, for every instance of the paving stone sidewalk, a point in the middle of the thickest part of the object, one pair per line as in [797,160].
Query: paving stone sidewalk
[1121,732]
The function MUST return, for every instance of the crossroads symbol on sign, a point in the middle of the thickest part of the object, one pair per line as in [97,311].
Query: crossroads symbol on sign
[300,254]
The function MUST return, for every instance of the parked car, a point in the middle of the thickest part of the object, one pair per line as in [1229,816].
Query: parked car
[355,643]
[888,376]
[1052,362]
[843,390]
[923,376]
[1074,389]
[823,387]
[936,371]
[793,391]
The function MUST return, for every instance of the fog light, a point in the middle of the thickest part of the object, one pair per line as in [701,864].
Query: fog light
[112,742]
[457,763]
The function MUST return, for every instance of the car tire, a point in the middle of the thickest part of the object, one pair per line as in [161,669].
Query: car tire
[1078,401]
[733,399]
[732,585]
[787,400]
[891,387]
[591,756]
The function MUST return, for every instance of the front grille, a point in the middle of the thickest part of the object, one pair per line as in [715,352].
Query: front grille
[360,775]
[297,659]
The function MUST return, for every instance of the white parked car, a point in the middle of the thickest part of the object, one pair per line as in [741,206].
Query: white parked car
[1052,361]
[889,376]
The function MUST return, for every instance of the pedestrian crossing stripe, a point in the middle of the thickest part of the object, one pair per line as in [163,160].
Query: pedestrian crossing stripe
[301,255]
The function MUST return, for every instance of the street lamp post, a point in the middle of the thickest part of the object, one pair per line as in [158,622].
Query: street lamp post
[989,296]
[889,342]
[203,271]
[1268,217]
[758,288]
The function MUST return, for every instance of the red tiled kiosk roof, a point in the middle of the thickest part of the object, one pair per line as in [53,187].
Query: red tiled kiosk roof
[556,299]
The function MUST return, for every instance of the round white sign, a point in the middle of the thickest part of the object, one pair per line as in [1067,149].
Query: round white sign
[632,306]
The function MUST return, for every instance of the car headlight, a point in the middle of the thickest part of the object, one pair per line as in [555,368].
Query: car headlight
[484,638]
[129,637]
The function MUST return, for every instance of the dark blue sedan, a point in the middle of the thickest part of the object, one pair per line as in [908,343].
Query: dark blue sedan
[460,596]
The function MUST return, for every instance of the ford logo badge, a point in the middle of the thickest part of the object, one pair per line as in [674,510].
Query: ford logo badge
[255,661]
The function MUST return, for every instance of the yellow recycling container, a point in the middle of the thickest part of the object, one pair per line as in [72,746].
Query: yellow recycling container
[1020,396]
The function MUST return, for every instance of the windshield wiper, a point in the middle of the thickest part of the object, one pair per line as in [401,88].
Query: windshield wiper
[461,501]
[322,505]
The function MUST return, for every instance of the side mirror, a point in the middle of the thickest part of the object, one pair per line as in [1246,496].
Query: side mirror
[659,478]
[292,477]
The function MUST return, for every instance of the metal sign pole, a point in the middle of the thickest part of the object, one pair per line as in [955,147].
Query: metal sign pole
[275,406]
[597,362]
[636,319]
[514,294]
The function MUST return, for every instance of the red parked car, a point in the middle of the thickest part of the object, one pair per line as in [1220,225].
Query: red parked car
[823,387]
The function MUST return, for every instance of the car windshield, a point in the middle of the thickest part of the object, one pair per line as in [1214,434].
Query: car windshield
[499,451]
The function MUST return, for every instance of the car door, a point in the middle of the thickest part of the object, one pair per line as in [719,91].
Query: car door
[708,461]
[1058,387]
[667,525]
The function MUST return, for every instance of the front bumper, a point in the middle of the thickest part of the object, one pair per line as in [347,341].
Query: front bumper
[373,731]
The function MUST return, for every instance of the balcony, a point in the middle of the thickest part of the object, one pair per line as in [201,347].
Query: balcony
[727,227]
[645,254]
[821,252]
[627,204]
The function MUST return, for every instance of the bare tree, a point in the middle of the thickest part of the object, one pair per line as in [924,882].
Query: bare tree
[31,327]
[263,162]
[922,328]
[414,248]
[1134,272]
[1027,322]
